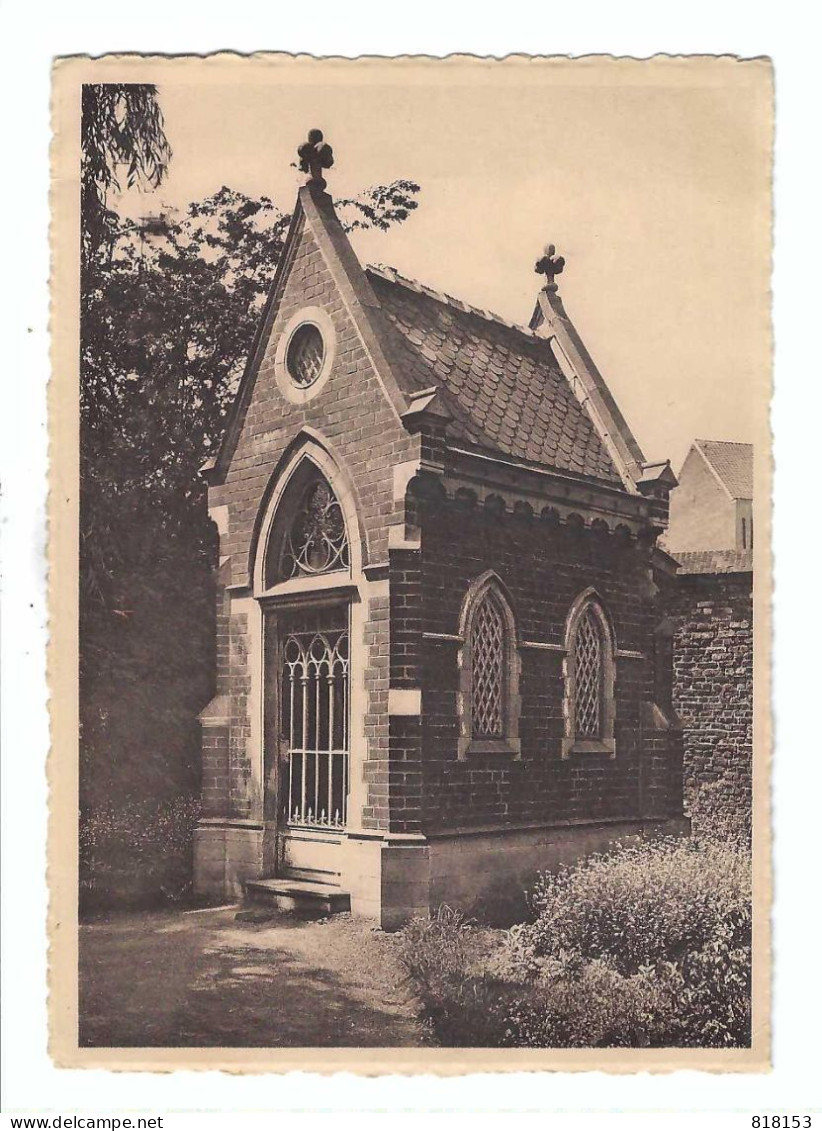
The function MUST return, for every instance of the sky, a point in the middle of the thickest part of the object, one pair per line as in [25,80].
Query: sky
[652,179]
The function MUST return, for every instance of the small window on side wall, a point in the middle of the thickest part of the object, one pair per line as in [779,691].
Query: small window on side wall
[588,706]
[488,702]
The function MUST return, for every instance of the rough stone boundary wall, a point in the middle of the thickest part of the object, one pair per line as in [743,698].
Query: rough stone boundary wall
[713,695]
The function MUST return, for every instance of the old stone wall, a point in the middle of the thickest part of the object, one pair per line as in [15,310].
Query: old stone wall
[713,694]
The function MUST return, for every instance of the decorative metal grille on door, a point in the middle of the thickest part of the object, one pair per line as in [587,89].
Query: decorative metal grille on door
[588,676]
[315,680]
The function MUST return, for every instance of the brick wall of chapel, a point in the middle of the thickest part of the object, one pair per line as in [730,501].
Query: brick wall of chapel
[354,414]
[544,566]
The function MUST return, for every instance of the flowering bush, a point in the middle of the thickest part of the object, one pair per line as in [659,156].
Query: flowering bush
[137,852]
[641,904]
[711,988]
[591,1005]
[648,946]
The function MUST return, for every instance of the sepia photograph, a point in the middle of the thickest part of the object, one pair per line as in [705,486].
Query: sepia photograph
[410,672]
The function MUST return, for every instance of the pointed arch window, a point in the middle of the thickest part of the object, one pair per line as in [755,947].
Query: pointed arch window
[488,647]
[589,679]
[489,672]
[309,536]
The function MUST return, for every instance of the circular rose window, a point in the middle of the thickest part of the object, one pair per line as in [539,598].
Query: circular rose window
[305,354]
[304,358]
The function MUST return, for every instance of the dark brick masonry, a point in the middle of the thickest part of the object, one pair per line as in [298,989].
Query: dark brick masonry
[544,565]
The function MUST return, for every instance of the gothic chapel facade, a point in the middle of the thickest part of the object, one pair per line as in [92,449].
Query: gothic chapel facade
[439,665]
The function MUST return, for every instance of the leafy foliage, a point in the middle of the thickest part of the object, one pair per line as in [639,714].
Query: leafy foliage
[592,1005]
[137,850]
[379,207]
[460,1003]
[650,946]
[169,310]
[711,988]
[641,904]
[715,811]
[122,126]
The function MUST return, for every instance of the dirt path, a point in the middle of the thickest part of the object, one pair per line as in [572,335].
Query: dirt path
[200,979]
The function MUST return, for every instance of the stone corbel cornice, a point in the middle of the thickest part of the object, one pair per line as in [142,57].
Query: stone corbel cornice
[501,485]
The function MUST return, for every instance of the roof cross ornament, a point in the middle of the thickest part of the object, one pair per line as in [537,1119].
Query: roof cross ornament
[315,155]
[550,265]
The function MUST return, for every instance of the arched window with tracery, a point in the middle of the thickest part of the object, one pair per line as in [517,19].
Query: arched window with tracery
[489,671]
[309,536]
[589,678]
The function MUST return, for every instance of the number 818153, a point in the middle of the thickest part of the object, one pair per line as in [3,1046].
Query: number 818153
[780,1122]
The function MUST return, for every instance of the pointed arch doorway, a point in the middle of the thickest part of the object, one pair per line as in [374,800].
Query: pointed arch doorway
[306,589]
[307,739]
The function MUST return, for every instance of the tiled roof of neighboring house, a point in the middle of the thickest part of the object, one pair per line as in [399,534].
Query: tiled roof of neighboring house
[714,561]
[733,463]
[501,383]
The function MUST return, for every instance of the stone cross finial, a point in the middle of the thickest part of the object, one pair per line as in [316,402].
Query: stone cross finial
[550,265]
[315,155]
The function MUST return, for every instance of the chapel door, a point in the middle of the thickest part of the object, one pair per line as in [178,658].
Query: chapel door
[311,782]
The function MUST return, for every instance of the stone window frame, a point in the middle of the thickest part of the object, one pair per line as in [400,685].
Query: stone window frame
[305,316]
[276,513]
[306,477]
[606,743]
[509,743]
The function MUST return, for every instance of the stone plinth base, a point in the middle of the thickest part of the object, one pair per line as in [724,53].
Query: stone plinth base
[387,877]
[483,872]
[486,873]
[226,853]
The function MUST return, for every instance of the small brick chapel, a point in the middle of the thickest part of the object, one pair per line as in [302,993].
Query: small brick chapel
[438,661]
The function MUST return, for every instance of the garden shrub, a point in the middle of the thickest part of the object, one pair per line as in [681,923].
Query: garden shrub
[711,989]
[462,1004]
[591,1005]
[641,904]
[647,946]
[137,853]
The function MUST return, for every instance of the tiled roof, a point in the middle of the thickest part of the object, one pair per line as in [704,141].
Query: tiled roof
[714,561]
[733,463]
[501,383]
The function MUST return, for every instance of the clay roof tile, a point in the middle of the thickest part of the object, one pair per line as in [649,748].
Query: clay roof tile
[502,383]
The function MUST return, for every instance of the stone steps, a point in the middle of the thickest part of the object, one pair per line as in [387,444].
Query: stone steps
[306,897]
